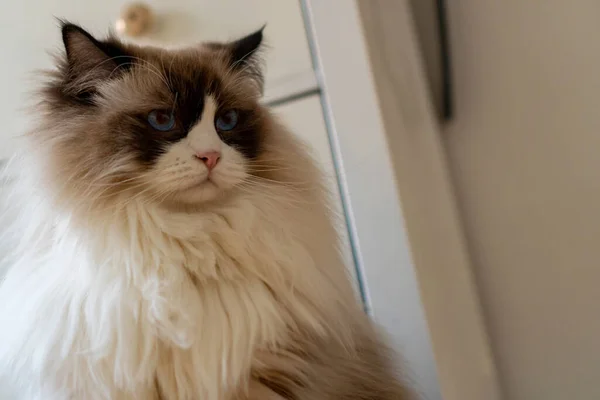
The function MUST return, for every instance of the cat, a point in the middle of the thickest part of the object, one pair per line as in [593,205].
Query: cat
[174,240]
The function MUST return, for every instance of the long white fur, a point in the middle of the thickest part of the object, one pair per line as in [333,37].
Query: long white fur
[101,308]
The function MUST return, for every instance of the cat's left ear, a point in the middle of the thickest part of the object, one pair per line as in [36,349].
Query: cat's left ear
[245,55]
[89,61]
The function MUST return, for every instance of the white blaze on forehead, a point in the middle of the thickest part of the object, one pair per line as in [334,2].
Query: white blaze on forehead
[203,136]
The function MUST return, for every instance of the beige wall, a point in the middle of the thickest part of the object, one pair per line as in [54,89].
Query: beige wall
[525,158]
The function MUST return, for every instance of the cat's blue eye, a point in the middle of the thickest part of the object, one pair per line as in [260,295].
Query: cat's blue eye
[227,121]
[161,120]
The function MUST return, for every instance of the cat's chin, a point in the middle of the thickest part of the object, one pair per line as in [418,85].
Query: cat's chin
[203,190]
[200,193]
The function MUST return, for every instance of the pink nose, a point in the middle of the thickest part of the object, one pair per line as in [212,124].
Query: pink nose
[209,158]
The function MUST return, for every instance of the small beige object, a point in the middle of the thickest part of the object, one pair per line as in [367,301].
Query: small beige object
[135,20]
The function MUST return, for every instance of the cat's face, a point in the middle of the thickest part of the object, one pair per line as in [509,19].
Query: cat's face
[181,126]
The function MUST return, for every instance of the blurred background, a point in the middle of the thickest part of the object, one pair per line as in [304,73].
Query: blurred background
[460,140]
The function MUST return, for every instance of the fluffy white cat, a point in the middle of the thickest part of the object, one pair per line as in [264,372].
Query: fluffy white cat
[171,240]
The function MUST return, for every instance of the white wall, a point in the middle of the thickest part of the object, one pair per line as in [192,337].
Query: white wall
[525,156]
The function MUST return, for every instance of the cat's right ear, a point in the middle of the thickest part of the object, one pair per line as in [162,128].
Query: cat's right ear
[89,61]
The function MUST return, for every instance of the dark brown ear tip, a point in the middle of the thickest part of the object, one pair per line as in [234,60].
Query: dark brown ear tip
[256,37]
[261,31]
[68,29]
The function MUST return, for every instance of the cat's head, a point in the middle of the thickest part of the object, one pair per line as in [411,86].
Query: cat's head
[182,126]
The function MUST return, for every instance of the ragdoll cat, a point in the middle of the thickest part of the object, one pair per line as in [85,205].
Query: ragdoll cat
[174,240]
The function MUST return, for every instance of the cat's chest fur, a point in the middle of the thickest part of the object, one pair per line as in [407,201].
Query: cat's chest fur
[152,298]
